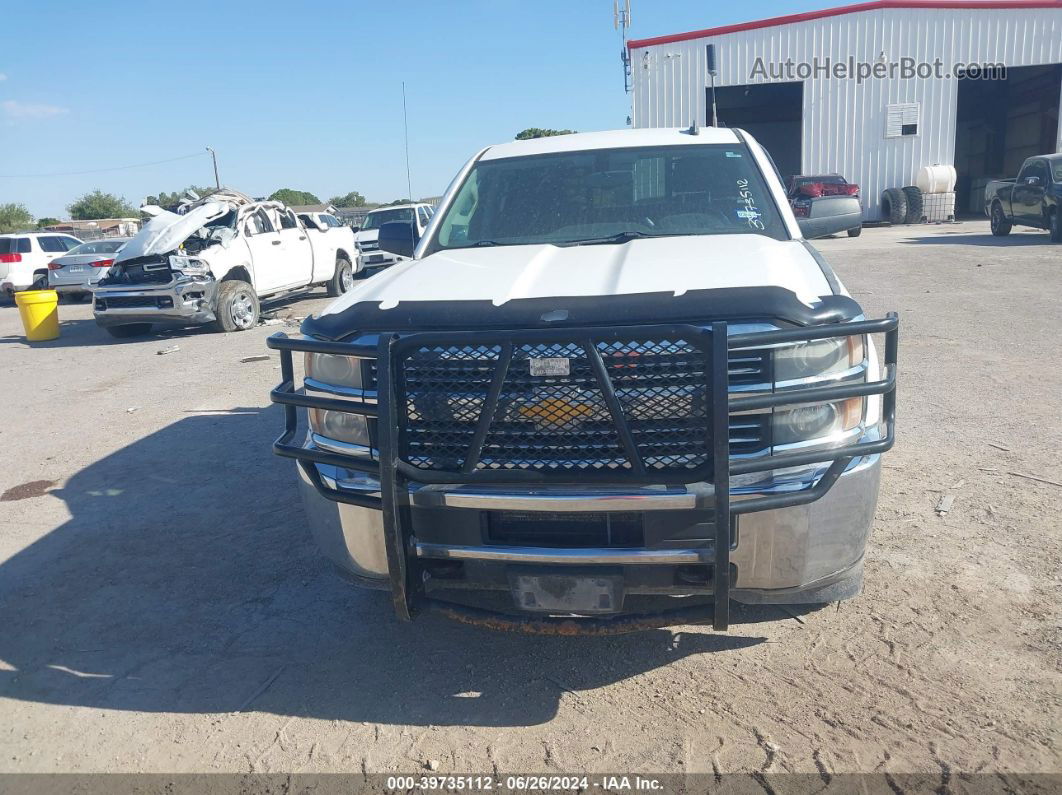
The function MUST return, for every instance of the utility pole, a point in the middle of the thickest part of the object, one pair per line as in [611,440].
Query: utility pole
[214,157]
[405,126]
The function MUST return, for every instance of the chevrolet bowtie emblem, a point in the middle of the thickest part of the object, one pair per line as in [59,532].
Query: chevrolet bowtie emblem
[556,414]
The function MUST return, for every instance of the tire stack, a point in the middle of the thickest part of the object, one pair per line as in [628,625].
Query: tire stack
[894,206]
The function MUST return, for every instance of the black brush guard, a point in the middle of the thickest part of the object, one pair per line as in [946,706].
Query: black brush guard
[396,474]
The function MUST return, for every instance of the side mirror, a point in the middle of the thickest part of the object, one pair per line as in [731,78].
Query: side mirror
[398,237]
[829,215]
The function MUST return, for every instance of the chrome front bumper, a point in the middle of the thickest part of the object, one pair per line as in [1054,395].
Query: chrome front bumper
[375,260]
[182,302]
[803,553]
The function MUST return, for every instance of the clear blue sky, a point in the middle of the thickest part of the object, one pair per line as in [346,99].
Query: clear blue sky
[306,96]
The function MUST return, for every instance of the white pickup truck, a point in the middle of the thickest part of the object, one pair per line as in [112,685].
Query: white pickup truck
[614,388]
[370,258]
[214,261]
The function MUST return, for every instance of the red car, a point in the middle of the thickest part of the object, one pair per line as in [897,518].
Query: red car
[805,190]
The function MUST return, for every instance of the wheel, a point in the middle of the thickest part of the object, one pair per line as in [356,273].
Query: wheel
[856,232]
[237,306]
[343,279]
[894,205]
[1000,225]
[915,204]
[1056,227]
[129,330]
[40,281]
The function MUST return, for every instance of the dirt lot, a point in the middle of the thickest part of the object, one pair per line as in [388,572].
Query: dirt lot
[163,609]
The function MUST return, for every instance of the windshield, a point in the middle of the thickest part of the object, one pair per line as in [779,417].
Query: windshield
[611,195]
[98,247]
[1057,169]
[376,219]
[825,179]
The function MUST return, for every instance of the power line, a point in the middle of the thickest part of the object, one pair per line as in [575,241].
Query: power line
[101,170]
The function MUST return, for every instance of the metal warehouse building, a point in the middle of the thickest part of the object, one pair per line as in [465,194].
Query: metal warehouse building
[881,130]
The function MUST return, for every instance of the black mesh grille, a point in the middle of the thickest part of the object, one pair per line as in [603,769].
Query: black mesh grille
[133,302]
[561,421]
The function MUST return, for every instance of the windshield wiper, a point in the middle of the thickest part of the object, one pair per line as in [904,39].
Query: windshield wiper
[620,237]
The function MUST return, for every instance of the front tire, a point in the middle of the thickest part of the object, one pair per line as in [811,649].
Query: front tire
[1000,225]
[342,280]
[856,232]
[129,330]
[237,307]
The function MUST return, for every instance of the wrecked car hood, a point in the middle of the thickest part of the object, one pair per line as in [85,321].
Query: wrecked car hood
[166,231]
[677,264]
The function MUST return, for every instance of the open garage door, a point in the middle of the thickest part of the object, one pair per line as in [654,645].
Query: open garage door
[771,112]
[999,123]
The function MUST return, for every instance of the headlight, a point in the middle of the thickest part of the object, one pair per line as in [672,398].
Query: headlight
[329,368]
[802,423]
[340,425]
[188,265]
[817,358]
[343,371]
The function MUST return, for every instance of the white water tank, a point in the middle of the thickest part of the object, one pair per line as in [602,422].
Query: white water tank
[936,179]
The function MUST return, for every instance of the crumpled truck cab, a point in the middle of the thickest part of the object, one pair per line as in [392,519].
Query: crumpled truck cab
[613,388]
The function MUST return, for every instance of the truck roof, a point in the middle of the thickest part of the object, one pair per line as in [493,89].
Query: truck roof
[611,139]
[397,207]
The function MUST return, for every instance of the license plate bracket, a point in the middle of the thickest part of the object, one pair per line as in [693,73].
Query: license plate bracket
[589,592]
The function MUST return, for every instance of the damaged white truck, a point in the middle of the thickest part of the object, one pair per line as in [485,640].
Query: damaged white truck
[614,387]
[213,261]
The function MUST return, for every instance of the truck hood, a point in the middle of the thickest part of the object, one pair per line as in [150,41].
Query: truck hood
[366,235]
[166,231]
[677,264]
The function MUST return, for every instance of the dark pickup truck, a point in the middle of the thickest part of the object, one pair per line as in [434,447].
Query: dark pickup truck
[1032,199]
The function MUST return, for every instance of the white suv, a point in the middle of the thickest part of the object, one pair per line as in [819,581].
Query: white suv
[24,259]
[370,258]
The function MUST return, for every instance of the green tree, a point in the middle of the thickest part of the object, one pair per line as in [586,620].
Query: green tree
[96,205]
[293,198]
[168,200]
[352,199]
[538,132]
[43,222]
[14,218]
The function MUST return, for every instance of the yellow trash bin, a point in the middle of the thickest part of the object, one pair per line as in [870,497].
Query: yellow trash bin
[40,314]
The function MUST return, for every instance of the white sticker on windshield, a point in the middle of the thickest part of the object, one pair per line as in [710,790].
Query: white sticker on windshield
[733,154]
[748,209]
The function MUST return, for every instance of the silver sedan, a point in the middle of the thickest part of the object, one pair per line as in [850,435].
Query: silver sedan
[76,272]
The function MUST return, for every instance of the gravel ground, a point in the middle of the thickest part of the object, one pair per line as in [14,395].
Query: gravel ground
[163,609]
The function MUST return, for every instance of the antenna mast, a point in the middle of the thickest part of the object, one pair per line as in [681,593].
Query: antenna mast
[621,20]
[405,128]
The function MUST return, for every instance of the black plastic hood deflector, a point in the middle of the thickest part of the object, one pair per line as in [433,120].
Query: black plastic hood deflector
[695,306]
